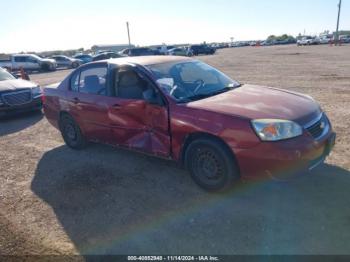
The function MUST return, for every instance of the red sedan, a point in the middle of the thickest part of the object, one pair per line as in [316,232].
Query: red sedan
[185,110]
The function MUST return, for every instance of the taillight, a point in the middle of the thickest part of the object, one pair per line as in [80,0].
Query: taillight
[43,98]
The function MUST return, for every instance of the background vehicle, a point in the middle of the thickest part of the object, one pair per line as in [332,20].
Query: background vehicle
[185,110]
[239,44]
[65,61]
[29,62]
[143,51]
[325,40]
[180,52]
[201,49]
[106,55]
[344,39]
[164,49]
[308,40]
[266,43]
[84,58]
[18,95]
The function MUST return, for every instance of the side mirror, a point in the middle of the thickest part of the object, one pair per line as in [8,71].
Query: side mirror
[152,97]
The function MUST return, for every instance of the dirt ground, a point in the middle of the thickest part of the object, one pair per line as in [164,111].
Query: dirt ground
[102,200]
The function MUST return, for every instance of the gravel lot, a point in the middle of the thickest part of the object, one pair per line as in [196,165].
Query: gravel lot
[102,200]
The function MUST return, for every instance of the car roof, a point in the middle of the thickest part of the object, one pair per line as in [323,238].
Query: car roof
[147,60]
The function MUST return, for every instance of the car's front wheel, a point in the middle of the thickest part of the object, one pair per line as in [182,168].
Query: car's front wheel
[211,164]
[75,65]
[71,133]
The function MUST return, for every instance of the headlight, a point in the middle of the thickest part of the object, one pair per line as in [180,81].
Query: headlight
[276,129]
[36,92]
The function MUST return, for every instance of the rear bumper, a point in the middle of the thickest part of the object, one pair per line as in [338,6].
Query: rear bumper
[285,159]
[35,104]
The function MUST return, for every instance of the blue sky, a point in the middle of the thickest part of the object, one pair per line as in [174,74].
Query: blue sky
[38,25]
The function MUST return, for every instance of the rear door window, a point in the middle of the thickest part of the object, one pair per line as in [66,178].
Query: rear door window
[93,80]
[20,59]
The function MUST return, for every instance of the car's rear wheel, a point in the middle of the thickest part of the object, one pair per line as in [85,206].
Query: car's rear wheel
[211,164]
[71,133]
[45,67]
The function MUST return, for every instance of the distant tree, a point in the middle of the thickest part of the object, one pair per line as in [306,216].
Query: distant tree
[271,38]
[283,37]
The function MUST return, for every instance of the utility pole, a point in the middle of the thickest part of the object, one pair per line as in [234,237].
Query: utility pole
[127,27]
[337,32]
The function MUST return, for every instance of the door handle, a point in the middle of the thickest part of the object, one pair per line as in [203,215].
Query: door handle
[116,106]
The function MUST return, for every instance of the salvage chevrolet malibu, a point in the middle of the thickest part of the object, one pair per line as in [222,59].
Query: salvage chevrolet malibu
[185,110]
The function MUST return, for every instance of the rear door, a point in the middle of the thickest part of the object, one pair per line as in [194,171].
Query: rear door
[90,100]
[136,123]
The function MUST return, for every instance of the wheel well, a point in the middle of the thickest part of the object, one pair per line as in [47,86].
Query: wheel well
[64,113]
[199,135]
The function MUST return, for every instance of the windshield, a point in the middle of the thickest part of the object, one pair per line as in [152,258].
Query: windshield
[36,57]
[4,75]
[193,80]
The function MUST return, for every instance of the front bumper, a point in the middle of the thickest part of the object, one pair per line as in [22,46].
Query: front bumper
[285,159]
[33,105]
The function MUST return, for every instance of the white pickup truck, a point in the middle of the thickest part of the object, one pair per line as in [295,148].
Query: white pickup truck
[28,62]
[308,40]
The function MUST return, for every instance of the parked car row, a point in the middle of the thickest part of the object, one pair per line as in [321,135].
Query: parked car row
[170,50]
[324,39]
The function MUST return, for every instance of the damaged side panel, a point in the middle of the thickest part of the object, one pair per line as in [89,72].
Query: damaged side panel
[140,126]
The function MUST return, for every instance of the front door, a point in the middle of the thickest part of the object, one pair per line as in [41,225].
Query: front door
[136,123]
[32,63]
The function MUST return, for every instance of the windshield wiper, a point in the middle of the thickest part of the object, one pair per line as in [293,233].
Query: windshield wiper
[202,96]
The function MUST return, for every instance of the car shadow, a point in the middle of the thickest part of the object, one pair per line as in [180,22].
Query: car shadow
[15,123]
[112,201]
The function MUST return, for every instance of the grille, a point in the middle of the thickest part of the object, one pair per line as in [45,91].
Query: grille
[318,128]
[17,98]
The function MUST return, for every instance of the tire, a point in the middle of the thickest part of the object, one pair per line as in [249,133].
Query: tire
[45,67]
[52,67]
[71,133]
[75,65]
[211,164]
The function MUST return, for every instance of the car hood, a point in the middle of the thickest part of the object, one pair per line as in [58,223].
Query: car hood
[261,102]
[12,85]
